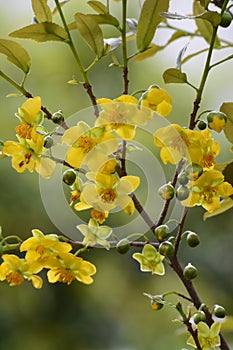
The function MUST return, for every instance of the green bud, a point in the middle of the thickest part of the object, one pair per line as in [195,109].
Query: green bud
[226,19]
[69,177]
[182,193]
[203,307]
[182,179]
[193,171]
[157,302]
[161,232]
[201,124]
[122,246]
[219,311]
[48,142]
[57,117]
[190,272]
[166,248]
[166,191]
[199,317]
[192,239]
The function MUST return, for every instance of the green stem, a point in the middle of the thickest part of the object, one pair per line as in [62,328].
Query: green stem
[124,47]
[221,61]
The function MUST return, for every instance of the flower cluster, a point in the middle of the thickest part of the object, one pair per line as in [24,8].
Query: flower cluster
[45,252]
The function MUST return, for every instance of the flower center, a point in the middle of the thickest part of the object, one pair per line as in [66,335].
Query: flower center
[98,215]
[24,130]
[14,278]
[108,195]
[40,250]
[66,276]
[207,161]
[117,119]
[86,143]
[27,158]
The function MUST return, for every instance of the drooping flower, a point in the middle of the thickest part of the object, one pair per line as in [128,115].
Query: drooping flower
[40,247]
[88,146]
[27,154]
[150,260]
[122,115]
[158,100]
[208,337]
[30,111]
[95,234]
[207,191]
[67,267]
[108,192]
[16,270]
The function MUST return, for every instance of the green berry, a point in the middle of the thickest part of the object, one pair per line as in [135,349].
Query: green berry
[69,177]
[226,19]
[192,239]
[166,191]
[199,317]
[201,124]
[122,246]
[161,232]
[166,248]
[182,193]
[182,179]
[190,272]
[57,117]
[48,142]
[219,311]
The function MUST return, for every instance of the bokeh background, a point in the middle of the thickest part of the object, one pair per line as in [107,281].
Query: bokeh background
[111,314]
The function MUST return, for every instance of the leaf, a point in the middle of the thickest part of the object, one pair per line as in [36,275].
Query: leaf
[204,27]
[46,31]
[149,52]
[148,21]
[106,19]
[42,11]
[16,54]
[98,7]
[227,108]
[174,75]
[213,17]
[62,3]
[225,205]
[90,32]
[204,3]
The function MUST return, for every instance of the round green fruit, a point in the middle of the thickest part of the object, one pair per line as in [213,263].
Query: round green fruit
[199,317]
[48,142]
[201,124]
[190,272]
[122,246]
[69,177]
[166,248]
[192,239]
[161,232]
[219,311]
[57,117]
[226,19]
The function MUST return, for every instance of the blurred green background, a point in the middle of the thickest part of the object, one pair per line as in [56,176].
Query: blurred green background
[111,314]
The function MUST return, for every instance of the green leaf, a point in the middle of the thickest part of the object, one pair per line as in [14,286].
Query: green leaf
[149,52]
[106,19]
[174,75]
[42,11]
[227,108]
[204,26]
[90,32]
[98,7]
[41,32]
[148,21]
[213,17]
[16,54]
[204,3]
[62,3]
[225,205]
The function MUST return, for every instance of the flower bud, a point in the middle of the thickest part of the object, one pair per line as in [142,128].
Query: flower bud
[226,19]
[69,177]
[182,193]
[192,239]
[166,248]
[161,232]
[166,191]
[57,117]
[182,179]
[216,120]
[157,302]
[48,142]
[193,171]
[199,317]
[122,246]
[201,124]
[219,311]
[190,272]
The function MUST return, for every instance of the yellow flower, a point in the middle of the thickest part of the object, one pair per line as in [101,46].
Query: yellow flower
[40,246]
[150,260]
[68,267]
[30,111]
[108,192]
[88,146]
[122,115]
[26,154]
[16,270]
[95,234]
[207,191]
[208,337]
[158,100]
